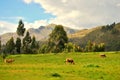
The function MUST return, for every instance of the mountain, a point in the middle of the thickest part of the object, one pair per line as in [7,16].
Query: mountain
[41,33]
[108,34]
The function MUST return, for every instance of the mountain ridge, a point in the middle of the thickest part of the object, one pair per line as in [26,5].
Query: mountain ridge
[108,34]
[40,33]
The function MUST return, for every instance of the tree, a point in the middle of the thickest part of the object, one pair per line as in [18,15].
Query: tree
[26,43]
[34,44]
[88,47]
[57,39]
[95,47]
[18,45]
[101,47]
[70,47]
[0,44]
[43,49]
[20,29]
[10,46]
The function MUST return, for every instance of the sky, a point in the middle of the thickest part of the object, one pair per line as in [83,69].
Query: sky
[78,14]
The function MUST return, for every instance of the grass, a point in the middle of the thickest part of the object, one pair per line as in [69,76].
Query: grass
[88,66]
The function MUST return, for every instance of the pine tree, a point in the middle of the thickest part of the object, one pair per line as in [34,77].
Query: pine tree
[20,29]
[10,46]
[18,45]
[57,39]
[26,43]
[34,45]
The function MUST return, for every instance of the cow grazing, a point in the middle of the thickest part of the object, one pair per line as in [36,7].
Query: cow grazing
[69,60]
[102,55]
[9,60]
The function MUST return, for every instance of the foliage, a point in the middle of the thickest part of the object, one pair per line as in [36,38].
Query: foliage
[114,31]
[43,49]
[57,39]
[88,47]
[0,44]
[109,36]
[26,43]
[55,75]
[10,46]
[108,27]
[93,47]
[34,45]
[20,29]
[18,45]
[3,55]
[70,47]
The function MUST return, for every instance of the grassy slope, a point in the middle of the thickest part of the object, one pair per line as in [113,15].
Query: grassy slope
[52,67]
[97,35]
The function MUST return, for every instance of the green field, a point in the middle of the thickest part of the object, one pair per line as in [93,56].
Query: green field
[88,66]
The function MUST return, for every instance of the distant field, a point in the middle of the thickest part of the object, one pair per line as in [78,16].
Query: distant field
[88,66]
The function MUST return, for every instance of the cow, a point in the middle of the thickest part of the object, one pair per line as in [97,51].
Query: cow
[9,60]
[102,55]
[69,60]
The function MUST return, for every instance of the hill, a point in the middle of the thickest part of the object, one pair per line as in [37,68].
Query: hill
[41,33]
[108,34]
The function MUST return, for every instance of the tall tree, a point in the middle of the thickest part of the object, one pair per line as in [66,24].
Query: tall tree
[57,39]
[26,43]
[20,29]
[0,44]
[33,42]
[34,45]
[10,46]
[18,45]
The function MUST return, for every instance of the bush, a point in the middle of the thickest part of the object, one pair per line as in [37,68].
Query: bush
[55,75]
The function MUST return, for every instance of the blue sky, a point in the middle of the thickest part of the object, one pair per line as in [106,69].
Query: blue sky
[78,14]
[12,9]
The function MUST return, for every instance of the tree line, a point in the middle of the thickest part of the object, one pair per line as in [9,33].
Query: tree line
[57,42]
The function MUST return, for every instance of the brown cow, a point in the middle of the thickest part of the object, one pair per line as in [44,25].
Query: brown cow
[9,60]
[102,55]
[69,60]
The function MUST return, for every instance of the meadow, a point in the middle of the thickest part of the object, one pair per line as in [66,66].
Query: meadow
[88,66]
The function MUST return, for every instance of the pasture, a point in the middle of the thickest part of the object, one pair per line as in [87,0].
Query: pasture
[88,66]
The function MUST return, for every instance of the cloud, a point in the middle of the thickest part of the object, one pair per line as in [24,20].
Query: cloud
[7,27]
[118,5]
[12,27]
[72,13]
[82,13]
[27,1]
[36,24]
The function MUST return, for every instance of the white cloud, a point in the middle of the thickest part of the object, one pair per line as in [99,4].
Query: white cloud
[7,27]
[27,1]
[36,24]
[118,5]
[82,13]
[71,13]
